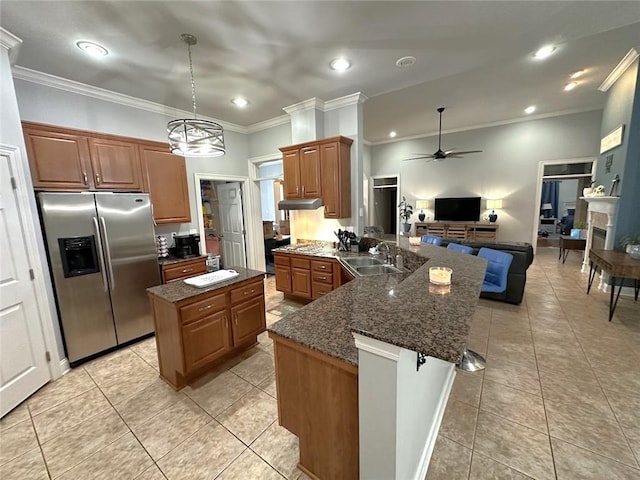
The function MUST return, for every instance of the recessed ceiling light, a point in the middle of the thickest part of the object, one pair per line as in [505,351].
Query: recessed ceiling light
[570,86]
[392,134]
[576,74]
[530,109]
[240,102]
[93,49]
[405,61]
[544,52]
[340,64]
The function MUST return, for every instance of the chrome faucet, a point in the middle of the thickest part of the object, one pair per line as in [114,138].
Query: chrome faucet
[388,259]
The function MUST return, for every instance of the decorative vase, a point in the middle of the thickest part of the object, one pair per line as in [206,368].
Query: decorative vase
[634,251]
[421,216]
[493,217]
[406,227]
[586,192]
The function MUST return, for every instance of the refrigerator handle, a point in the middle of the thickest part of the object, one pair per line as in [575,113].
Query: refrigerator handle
[108,252]
[100,250]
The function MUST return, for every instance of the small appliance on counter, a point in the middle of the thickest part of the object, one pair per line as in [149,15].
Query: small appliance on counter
[186,246]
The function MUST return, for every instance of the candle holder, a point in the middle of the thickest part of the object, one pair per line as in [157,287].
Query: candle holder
[439,289]
[440,275]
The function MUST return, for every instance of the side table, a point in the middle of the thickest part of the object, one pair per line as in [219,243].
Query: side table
[567,243]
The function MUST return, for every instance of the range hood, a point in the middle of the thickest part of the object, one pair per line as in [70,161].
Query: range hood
[300,204]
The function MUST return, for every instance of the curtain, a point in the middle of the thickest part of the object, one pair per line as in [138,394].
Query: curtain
[550,194]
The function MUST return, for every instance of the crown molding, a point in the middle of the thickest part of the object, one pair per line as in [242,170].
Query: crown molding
[619,69]
[270,123]
[310,104]
[352,99]
[489,125]
[33,76]
[11,43]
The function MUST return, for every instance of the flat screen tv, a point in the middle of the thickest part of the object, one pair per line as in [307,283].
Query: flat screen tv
[462,209]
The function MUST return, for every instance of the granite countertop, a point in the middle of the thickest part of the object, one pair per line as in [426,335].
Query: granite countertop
[402,309]
[171,259]
[178,290]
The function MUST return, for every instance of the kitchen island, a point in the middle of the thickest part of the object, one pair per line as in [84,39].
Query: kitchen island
[198,328]
[364,372]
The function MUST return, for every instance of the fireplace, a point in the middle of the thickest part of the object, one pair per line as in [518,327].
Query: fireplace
[599,238]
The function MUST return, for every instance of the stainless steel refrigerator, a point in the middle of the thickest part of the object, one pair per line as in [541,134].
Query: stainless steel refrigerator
[103,257]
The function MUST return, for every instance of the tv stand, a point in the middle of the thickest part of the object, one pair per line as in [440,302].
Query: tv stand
[469,231]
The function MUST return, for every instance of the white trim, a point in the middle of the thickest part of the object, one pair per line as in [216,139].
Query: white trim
[352,99]
[270,123]
[64,366]
[40,269]
[33,76]
[381,349]
[541,177]
[11,43]
[253,241]
[425,458]
[619,69]
[310,104]
[491,124]
[269,157]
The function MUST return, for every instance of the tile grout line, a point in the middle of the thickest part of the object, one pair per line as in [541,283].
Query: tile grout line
[35,432]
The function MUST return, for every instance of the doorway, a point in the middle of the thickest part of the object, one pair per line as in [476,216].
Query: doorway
[384,208]
[558,207]
[224,226]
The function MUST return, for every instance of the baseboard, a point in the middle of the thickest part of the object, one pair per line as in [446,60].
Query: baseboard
[64,366]
[425,458]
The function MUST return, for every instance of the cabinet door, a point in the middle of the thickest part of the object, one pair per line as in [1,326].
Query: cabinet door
[205,340]
[165,178]
[283,279]
[248,320]
[57,160]
[310,172]
[301,282]
[335,158]
[115,164]
[291,172]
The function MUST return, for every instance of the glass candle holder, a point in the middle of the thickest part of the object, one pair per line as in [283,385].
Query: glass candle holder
[440,275]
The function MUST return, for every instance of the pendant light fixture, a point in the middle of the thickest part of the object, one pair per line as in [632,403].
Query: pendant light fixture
[191,137]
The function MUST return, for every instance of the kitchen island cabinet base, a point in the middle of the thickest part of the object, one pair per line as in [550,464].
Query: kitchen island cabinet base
[318,402]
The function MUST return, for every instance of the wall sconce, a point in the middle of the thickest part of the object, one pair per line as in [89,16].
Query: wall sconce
[493,204]
[421,204]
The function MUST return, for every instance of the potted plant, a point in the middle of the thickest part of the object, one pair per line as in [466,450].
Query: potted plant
[631,243]
[406,211]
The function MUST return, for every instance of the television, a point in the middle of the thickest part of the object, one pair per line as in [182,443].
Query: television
[461,209]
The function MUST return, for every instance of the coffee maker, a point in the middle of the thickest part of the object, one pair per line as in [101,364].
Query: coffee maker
[186,245]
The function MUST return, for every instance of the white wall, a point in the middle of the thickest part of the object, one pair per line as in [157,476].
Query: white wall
[268,141]
[506,169]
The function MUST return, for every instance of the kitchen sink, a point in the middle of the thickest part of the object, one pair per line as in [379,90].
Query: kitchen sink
[377,269]
[361,261]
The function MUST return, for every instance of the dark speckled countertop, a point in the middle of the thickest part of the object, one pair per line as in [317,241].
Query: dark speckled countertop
[402,309]
[178,290]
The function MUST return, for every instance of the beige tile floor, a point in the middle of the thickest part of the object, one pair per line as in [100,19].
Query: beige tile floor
[559,399]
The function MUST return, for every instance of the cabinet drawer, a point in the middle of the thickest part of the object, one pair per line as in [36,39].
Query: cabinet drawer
[322,266]
[202,308]
[320,289]
[322,277]
[300,263]
[248,291]
[183,270]
[281,260]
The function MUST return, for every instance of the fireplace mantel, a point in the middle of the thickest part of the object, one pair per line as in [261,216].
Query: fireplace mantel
[606,205]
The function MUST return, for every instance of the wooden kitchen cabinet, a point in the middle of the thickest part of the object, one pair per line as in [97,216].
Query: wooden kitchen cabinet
[320,169]
[58,161]
[165,179]
[283,272]
[184,269]
[307,277]
[197,333]
[301,170]
[205,340]
[68,159]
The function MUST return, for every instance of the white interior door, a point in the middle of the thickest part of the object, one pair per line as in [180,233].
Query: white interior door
[232,224]
[23,364]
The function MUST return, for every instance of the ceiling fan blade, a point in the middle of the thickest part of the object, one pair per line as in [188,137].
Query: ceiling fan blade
[468,151]
[449,151]
[420,157]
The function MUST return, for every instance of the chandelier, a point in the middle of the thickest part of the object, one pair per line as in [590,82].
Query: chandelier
[192,137]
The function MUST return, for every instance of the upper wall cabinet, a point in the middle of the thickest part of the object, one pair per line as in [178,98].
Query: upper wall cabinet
[320,169]
[165,178]
[66,159]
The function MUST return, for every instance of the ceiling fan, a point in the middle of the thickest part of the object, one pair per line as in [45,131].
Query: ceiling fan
[440,154]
